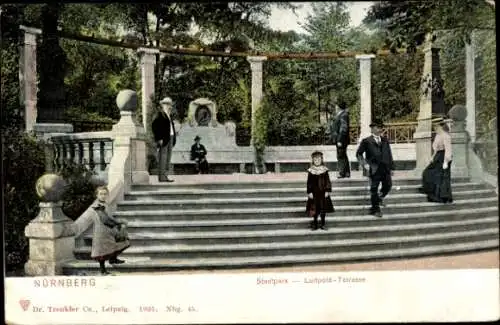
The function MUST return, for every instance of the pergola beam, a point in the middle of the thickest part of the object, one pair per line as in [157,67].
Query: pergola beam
[207,52]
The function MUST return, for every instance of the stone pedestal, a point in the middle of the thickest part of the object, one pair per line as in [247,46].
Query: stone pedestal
[470,89]
[459,144]
[459,141]
[51,241]
[129,163]
[148,62]
[431,104]
[256,67]
[28,76]
[365,92]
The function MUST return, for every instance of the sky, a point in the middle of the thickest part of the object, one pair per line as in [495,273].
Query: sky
[284,20]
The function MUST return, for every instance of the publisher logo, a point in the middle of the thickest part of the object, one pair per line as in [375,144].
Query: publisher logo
[25,304]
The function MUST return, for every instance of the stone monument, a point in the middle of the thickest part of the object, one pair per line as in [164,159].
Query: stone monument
[219,139]
[431,104]
[51,233]
[202,122]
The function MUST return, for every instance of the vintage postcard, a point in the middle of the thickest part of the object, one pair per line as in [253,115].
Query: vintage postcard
[233,162]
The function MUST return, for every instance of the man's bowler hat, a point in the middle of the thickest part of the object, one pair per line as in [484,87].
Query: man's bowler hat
[377,123]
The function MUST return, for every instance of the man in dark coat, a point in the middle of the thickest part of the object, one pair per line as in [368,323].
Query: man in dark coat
[165,137]
[339,135]
[378,163]
[198,154]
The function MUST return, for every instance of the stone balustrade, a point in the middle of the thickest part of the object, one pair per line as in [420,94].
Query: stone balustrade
[92,149]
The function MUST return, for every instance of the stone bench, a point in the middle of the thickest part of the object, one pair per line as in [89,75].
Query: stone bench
[238,159]
[232,160]
[404,156]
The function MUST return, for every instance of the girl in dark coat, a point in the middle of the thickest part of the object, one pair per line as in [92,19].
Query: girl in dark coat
[319,188]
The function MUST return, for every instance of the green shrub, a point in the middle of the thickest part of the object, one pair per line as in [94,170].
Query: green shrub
[23,163]
[80,192]
[22,153]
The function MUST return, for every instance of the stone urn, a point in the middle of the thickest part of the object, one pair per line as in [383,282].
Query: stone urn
[126,100]
[458,114]
[50,187]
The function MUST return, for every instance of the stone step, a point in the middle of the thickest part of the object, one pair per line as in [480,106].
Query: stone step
[273,223]
[301,247]
[87,267]
[173,237]
[268,183]
[179,194]
[270,202]
[162,212]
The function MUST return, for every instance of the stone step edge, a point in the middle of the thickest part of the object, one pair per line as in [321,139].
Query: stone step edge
[301,232]
[293,259]
[269,190]
[393,196]
[269,221]
[299,209]
[298,245]
[212,182]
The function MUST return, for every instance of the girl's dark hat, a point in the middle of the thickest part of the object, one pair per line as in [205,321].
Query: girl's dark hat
[316,154]
[196,138]
[378,123]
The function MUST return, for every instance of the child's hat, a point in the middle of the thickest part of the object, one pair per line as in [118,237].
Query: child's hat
[317,154]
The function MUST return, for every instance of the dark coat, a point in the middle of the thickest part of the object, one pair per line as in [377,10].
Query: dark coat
[318,183]
[376,155]
[161,129]
[339,128]
[198,152]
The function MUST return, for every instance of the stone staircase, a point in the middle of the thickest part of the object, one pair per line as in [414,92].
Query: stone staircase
[263,223]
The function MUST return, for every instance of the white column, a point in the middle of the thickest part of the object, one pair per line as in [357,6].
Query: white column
[256,67]
[28,76]
[365,92]
[470,89]
[148,62]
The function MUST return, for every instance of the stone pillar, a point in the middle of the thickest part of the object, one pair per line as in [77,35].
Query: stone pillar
[51,233]
[470,88]
[365,92]
[459,141]
[148,62]
[28,76]
[256,67]
[431,104]
[128,163]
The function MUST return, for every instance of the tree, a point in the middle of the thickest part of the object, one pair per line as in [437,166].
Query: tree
[409,21]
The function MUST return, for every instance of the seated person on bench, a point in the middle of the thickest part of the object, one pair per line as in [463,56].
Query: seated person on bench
[198,154]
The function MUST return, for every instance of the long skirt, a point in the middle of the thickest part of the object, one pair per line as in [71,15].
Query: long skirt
[436,181]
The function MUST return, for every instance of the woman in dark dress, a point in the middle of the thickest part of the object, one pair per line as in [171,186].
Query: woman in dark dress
[436,178]
[319,188]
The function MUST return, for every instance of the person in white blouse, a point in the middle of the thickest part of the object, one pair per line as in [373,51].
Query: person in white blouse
[436,178]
